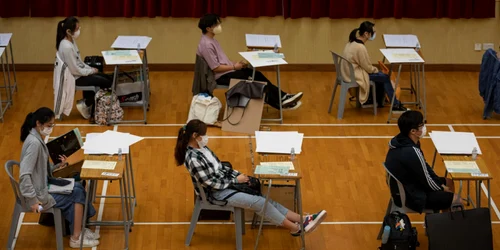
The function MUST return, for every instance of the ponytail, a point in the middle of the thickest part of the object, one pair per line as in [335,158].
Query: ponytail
[67,24]
[352,36]
[42,115]
[184,136]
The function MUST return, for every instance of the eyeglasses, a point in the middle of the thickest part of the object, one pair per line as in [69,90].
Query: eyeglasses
[51,125]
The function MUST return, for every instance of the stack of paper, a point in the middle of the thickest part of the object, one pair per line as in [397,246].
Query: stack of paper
[462,167]
[5,39]
[278,142]
[454,142]
[131,42]
[280,170]
[263,41]
[54,189]
[106,165]
[288,164]
[121,57]
[401,41]
[109,142]
[256,61]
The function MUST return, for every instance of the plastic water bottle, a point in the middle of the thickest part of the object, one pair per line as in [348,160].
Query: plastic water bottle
[119,154]
[474,153]
[40,208]
[292,154]
[417,48]
[386,234]
[276,49]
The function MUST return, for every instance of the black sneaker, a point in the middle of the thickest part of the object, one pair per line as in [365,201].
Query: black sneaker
[293,106]
[399,108]
[290,99]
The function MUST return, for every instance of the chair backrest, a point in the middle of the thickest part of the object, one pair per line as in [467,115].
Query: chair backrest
[401,190]
[201,192]
[338,60]
[9,168]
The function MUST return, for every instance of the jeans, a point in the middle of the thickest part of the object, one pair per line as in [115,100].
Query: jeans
[275,212]
[272,93]
[383,80]
[100,80]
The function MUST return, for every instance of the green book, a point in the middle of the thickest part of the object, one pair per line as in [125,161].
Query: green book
[277,170]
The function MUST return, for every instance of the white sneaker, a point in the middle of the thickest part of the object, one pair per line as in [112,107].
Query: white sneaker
[86,242]
[83,109]
[91,235]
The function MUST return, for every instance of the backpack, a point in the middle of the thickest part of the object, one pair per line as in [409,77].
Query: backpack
[107,107]
[402,236]
[205,108]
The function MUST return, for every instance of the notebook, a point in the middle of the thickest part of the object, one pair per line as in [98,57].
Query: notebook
[66,144]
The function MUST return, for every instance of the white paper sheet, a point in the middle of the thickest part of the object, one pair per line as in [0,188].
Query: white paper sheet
[454,142]
[278,142]
[109,142]
[5,39]
[106,165]
[401,41]
[288,164]
[462,167]
[1,51]
[263,41]
[131,42]
[253,58]
[402,56]
[121,57]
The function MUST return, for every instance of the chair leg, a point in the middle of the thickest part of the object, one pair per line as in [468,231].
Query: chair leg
[243,221]
[194,221]
[58,222]
[374,96]
[13,226]
[333,97]
[387,212]
[343,96]
[238,223]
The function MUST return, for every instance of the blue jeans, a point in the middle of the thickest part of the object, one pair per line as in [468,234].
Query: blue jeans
[383,79]
[275,212]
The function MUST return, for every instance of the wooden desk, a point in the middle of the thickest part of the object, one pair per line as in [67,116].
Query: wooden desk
[94,175]
[468,178]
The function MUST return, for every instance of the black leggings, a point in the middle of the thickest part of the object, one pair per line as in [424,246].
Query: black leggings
[272,92]
[100,80]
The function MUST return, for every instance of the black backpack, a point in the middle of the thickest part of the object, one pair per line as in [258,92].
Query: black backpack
[400,238]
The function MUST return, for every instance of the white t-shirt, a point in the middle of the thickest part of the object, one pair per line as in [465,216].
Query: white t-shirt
[211,158]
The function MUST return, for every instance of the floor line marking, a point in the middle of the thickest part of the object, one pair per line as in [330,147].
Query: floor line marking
[290,125]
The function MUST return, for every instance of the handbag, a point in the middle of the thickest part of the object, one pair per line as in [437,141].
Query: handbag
[460,230]
[251,187]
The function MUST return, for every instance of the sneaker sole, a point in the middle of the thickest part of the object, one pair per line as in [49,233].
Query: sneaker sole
[80,109]
[292,100]
[314,224]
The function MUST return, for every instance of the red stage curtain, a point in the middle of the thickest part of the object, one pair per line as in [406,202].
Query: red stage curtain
[14,8]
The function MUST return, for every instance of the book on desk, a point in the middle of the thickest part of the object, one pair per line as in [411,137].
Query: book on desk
[66,145]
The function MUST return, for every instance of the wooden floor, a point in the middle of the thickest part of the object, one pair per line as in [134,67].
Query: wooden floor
[341,162]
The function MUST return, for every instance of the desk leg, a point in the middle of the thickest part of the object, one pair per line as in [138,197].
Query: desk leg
[8,88]
[124,214]
[263,214]
[85,209]
[398,78]
[489,195]
[434,158]
[2,110]
[253,74]
[300,212]
[278,79]
[129,163]
[13,66]
[113,87]
[424,94]
[478,193]
[468,193]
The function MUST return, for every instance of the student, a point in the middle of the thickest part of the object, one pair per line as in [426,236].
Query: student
[206,169]
[68,30]
[405,160]
[34,173]
[224,69]
[355,52]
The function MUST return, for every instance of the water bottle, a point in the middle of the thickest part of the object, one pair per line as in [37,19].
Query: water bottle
[474,153]
[119,154]
[40,208]
[417,48]
[292,154]
[386,234]
[276,49]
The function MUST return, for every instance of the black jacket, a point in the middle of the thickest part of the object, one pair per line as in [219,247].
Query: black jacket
[406,162]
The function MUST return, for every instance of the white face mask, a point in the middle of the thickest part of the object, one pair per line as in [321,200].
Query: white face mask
[373,37]
[218,29]
[46,131]
[424,131]
[77,34]
[203,142]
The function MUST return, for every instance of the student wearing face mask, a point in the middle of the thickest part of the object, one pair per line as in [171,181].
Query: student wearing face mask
[356,53]
[34,174]
[206,169]
[405,160]
[224,69]
[68,31]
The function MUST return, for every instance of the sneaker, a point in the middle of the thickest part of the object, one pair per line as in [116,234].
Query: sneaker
[91,235]
[86,242]
[290,99]
[399,108]
[83,109]
[293,106]
[311,222]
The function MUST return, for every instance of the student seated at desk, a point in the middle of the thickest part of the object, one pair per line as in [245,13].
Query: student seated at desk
[405,160]
[356,53]
[34,174]
[206,169]
[68,30]
[224,69]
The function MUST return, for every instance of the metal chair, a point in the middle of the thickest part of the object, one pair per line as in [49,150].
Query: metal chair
[202,203]
[22,207]
[391,207]
[346,85]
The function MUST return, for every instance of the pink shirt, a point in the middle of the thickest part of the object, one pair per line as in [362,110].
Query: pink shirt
[211,51]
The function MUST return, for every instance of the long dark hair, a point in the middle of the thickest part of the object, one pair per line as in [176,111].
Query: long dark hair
[42,115]
[67,24]
[185,134]
[365,26]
